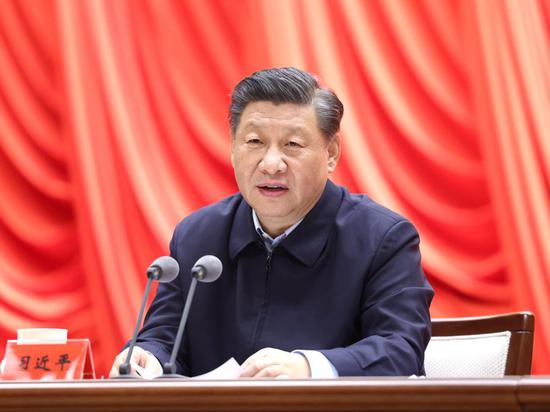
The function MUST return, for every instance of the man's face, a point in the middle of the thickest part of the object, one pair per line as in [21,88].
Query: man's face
[281,161]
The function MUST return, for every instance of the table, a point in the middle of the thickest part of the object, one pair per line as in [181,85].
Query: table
[519,393]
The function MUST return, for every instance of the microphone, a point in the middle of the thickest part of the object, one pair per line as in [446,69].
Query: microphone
[207,269]
[164,269]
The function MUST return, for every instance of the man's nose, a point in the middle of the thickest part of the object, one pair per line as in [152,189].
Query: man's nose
[273,162]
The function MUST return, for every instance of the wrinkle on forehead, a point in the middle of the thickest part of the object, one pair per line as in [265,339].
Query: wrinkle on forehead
[294,118]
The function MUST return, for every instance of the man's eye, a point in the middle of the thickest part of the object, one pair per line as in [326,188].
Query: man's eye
[294,144]
[253,141]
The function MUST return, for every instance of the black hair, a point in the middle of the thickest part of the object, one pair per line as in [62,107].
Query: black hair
[287,85]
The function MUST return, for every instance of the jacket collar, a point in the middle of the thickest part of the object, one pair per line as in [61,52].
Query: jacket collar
[306,242]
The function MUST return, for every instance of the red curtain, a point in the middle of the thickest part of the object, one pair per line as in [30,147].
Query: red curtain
[113,126]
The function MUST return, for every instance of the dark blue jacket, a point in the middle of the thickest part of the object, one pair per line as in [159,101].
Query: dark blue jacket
[347,282]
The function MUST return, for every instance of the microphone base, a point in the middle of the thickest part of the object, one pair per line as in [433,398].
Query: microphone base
[171,376]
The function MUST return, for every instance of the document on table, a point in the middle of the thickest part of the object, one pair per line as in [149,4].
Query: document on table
[228,370]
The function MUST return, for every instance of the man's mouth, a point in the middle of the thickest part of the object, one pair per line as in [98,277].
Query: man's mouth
[272,188]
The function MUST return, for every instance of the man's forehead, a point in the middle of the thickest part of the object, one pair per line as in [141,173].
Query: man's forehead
[262,114]
[260,122]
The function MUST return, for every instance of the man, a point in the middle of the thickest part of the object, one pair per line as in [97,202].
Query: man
[316,282]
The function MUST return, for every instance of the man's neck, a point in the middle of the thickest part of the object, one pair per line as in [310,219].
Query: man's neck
[274,230]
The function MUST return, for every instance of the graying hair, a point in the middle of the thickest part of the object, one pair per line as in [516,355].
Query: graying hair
[287,85]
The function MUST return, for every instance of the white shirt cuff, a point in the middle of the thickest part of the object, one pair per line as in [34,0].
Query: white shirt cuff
[319,365]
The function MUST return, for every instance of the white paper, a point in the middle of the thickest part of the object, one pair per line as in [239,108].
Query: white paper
[228,370]
[41,335]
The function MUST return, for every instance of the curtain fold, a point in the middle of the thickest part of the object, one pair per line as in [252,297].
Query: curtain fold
[113,127]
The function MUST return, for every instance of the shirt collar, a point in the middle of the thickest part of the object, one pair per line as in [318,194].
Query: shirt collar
[307,238]
[269,242]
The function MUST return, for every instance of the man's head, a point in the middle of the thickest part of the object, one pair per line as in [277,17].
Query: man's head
[287,85]
[285,143]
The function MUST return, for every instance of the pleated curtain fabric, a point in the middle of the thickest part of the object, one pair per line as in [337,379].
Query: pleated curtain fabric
[113,127]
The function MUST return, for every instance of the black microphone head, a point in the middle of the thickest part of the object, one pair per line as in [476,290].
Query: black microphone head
[164,269]
[207,269]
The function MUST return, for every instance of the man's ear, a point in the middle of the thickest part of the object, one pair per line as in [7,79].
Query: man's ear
[333,152]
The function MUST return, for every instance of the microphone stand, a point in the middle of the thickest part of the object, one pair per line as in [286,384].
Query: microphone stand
[124,369]
[169,368]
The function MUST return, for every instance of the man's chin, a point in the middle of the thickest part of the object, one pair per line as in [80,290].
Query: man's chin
[271,214]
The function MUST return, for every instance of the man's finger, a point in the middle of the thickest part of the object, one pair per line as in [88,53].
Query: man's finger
[259,364]
[120,359]
[256,357]
[250,370]
[271,371]
[116,364]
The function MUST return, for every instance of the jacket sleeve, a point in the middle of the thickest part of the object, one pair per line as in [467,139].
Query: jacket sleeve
[394,316]
[163,317]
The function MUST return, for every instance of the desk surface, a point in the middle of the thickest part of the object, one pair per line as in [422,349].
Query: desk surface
[343,394]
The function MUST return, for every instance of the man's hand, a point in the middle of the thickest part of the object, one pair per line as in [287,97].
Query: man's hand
[275,363]
[142,358]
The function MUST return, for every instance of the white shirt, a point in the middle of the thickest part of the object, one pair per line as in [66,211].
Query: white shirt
[319,365]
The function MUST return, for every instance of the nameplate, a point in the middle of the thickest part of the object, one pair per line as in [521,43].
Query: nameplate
[67,360]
